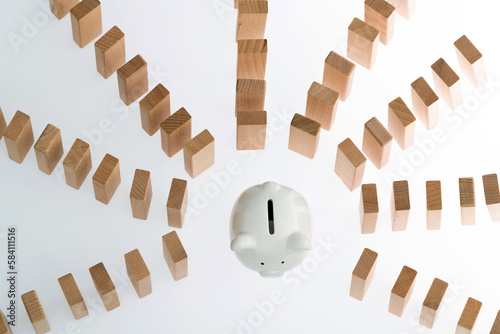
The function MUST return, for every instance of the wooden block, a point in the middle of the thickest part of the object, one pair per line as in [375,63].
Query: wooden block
[469,316]
[199,153]
[110,52]
[404,8]
[177,203]
[322,105]
[363,273]
[496,325]
[49,149]
[175,255]
[4,325]
[73,296]
[61,7]
[362,43]
[141,194]
[402,291]
[252,59]
[86,21]
[401,123]
[138,273]
[77,163]
[304,136]
[425,103]
[175,132]
[251,129]
[377,142]
[380,14]
[104,286]
[35,312]
[155,108]
[339,74]
[492,195]
[350,164]
[471,61]
[467,200]
[133,79]
[434,204]
[368,208]
[252,17]
[3,124]
[250,95]
[432,303]
[447,84]
[106,179]
[400,205]
[19,137]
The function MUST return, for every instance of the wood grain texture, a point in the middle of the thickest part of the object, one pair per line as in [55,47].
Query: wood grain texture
[175,132]
[434,204]
[3,124]
[469,316]
[49,149]
[425,103]
[362,43]
[86,21]
[73,296]
[471,61]
[177,203]
[495,329]
[381,15]
[138,273]
[104,286]
[368,208]
[252,59]
[110,52]
[250,95]
[467,201]
[252,18]
[175,255]
[251,128]
[447,84]
[339,74]
[363,273]
[19,137]
[35,312]
[304,136]
[60,8]
[133,79]
[4,325]
[492,195]
[155,108]
[77,164]
[141,194]
[401,123]
[199,153]
[377,143]
[404,8]
[400,205]
[432,303]
[322,103]
[402,291]
[106,179]
[350,164]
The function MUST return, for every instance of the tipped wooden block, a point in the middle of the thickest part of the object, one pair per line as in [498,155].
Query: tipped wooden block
[404,8]
[86,21]
[19,137]
[402,291]
[35,312]
[141,194]
[49,149]
[199,153]
[250,95]
[350,164]
[3,124]
[104,286]
[60,8]
[380,14]
[362,43]
[425,103]
[363,273]
[401,123]
[133,79]
[175,132]
[252,59]
[73,296]
[432,303]
[492,195]
[467,200]
[322,105]
[471,61]
[469,316]
[138,273]
[377,142]
[106,179]
[400,205]
[447,84]
[339,74]
[252,17]
[368,208]
[175,255]
[495,329]
[4,325]
[110,52]
[177,203]
[155,108]
[304,136]
[77,164]
[251,129]
[434,204]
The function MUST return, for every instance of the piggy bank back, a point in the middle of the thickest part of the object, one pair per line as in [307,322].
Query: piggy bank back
[270,229]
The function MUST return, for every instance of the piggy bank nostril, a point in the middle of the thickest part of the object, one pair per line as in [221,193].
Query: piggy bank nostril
[262,263]
[282,262]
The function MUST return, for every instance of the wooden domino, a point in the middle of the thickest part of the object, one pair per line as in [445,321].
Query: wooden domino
[19,137]
[380,14]
[322,105]
[492,195]
[377,142]
[73,296]
[368,208]
[350,164]
[199,153]
[86,21]
[469,316]
[3,124]
[425,103]
[252,59]
[401,123]
[252,17]
[35,312]
[363,273]
[432,303]
[138,273]
[77,164]
[4,325]
[49,149]
[106,179]
[339,74]
[110,52]
[467,201]
[141,194]
[400,205]
[104,286]
[177,203]
[404,8]
[495,329]
[362,43]
[434,204]
[250,95]
[251,128]
[175,255]
[60,8]
[133,79]
[155,108]
[447,84]
[304,136]
[471,61]
[175,132]
[402,291]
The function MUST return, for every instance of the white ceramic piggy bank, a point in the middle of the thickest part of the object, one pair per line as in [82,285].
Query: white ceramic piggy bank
[270,229]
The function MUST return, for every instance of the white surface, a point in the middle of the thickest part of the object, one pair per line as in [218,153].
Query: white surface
[190,48]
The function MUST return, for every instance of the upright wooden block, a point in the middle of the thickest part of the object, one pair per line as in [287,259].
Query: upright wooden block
[425,103]
[339,74]
[3,124]
[401,123]
[469,316]
[60,8]
[434,204]
[155,108]
[19,137]
[133,79]
[362,43]
[35,312]
[471,61]
[175,255]
[106,179]
[252,59]
[304,136]
[177,203]
[175,132]
[73,296]
[250,95]
[404,8]
[252,17]
[368,208]
[363,273]
[4,325]
[377,142]
[322,105]
[77,163]
[49,149]
[350,164]
[251,128]
[432,303]
[199,153]
[138,273]
[495,329]
[400,205]
[110,52]
[447,84]
[467,200]
[402,291]
[380,14]
[104,286]
[86,21]
[492,195]
[141,194]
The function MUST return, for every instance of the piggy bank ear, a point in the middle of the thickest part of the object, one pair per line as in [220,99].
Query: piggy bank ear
[297,241]
[242,242]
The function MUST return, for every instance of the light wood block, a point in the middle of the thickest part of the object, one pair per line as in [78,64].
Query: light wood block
[434,204]
[350,164]
[86,21]
[425,103]
[3,124]
[250,95]
[304,136]
[400,205]
[495,329]
[467,201]
[177,203]
[362,43]
[404,8]
[252,59]
[339,74]
[155,108]
[401,123]
[133,79]
[432,303]
[199,153]
[322,105]
[106,179]
[110,52]
[252,18]
[447,84]
[380,14]
[35,312]
[377,143]
[175,255]
[138,273]
[492,195]
[363,273]
[471,61]
[175,132]
[141,194]
[402,291]
[368,208]
[77,164]
[19,137]
[4,325]
[60,8]
[251,128]
[104,286]
[73,296]
[469,316]
[49,149]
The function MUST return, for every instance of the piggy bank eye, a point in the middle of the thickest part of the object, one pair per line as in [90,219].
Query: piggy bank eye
[262,263]
[282,262]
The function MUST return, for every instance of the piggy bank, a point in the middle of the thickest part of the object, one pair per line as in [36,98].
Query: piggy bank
[270,229]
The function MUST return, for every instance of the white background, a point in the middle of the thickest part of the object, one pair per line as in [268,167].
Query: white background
[190,48]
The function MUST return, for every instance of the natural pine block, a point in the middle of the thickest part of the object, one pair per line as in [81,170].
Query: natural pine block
[471,61]
[252,59]
[322,105]
[177,203]
[252,17]
[304,136]
[492,195]
[4,325]
[49,149]
[362,43]
[495,329]
[175,255]
[350,164]
[110,52]
[35,312]
[73,296]
[432,303]
[467,200]
[250,95]
[106,179]
[138,273]
[363,273]
[141,194]
[425,103]
[377,142]
[402,291]
[19,137]
[404,8]
[251,129]
[104,286]
[339,74]
[447,84]
[434,204]
[175,132]
[133,79]
[401,123]
[469,316]
[155,108]
[380,14]
[61,7]
[3,124]
[368,208]
[77,164]
[199,153]
[86,21]
[400,205]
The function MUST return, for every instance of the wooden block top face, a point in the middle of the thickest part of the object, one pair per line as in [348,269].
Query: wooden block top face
[250,86]
[340,63]
[323,93]
[306,124]
[174,121]
[101,279]
[155,96]
[105,169]
[4,325]
[491,191]
[369,198]
[363,29]
[136,265]
[178,189]
[422,88]
[401,195]
[365,264]
[202,140]
[402,112]
[83,8]
[76,153]
[445,72]
[16,125]
[47,138]
[352,153]
[131,67]
[253,7]
[434,200]
[251,118]
[70,290]
[142,180]
[378,131]
[381,6]
[495,329]
[33,307]
[469,314]
[435,294]
[404,282]
[467,49]
[467,192]
[252,46]
[174,247]
[109,39]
